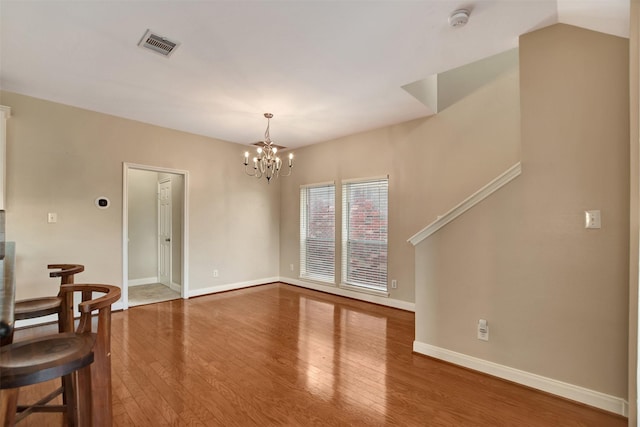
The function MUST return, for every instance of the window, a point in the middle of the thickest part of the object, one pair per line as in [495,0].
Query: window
[317,232]
[364,233]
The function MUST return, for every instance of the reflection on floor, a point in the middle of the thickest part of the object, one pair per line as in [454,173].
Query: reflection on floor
[148,294]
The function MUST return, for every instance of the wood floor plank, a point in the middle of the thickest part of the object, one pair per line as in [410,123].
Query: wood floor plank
[287,356]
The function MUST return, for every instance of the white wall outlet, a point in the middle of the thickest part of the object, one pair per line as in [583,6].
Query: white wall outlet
[483,330]
[394,284]
[52,217]
[215,273]
[592,219]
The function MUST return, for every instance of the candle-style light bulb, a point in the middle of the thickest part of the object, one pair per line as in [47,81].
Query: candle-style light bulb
[246,158]
[290,159]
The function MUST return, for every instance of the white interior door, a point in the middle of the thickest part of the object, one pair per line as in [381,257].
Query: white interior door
[164,232]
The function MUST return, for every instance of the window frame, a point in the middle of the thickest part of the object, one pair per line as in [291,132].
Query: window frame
[346,279]
[304,272]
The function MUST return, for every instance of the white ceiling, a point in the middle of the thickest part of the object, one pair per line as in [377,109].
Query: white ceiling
[324,68]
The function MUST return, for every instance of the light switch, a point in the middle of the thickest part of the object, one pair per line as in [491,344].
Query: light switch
[592,219]
[52,217]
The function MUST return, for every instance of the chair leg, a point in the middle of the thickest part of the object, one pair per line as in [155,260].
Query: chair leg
[8,406]
[101,390]
[101,373]
[70,399]
[84,396]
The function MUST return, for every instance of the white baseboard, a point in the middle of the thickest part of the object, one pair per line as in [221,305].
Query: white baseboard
[175,287]
[52,318]
[331,289]
[231,286]
[143,281]
[589,397]
[403,305]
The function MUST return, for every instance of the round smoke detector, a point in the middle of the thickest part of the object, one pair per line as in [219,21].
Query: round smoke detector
[459,18]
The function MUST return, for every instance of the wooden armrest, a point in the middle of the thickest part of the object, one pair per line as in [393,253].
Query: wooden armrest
[65,269]
[112,294]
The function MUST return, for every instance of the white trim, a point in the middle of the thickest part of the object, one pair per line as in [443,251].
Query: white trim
[367,179]
[330,288]
[318,281]
[52,318]
[442,220]
[232,286]
[175,287]
[142,281]
[589,397]
[320,184]
[364,290]
[123,303]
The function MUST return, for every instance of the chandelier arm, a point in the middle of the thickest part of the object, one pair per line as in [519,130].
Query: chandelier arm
[246,170]
[288,173]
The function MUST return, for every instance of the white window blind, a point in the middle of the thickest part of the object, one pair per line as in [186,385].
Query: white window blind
[364,233]
[317,232]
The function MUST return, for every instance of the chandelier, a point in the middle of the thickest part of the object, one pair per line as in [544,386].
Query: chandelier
[266,163]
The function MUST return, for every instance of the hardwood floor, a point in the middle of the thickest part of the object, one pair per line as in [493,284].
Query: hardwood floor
[282,355]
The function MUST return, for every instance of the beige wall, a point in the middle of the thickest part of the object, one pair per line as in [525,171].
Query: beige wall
[432,163]
[554,293]
[60,158]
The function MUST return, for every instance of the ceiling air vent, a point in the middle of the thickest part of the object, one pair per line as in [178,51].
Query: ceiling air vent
[157,43]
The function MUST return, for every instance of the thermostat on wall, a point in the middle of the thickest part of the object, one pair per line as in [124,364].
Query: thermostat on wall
[103,202]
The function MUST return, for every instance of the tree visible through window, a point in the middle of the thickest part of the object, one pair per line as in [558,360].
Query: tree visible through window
[364,233]
[317,232]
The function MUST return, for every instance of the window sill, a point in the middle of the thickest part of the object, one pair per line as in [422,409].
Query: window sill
[364,290]
[318,281]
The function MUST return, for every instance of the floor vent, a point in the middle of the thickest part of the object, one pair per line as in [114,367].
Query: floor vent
[158,44]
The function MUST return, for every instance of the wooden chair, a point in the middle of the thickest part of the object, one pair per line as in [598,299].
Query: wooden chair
[42,359]
[83,357]
[101,368]
[44,306]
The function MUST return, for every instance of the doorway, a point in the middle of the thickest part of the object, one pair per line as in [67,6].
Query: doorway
[155,224]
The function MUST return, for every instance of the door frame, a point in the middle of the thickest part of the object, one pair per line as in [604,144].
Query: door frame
[184,291]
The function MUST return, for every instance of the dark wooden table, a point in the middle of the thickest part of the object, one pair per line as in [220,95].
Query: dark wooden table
[7,288]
